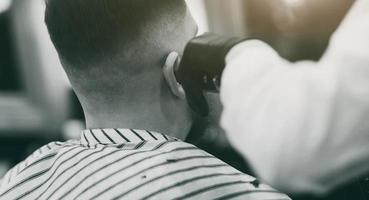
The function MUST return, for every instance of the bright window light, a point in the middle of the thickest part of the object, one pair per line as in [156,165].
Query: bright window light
[4,5]
[293,2]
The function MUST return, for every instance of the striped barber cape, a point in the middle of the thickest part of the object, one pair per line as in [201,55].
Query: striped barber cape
[128,164]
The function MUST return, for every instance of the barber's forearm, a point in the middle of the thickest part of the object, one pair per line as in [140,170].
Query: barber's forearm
[257,108]
[302,126]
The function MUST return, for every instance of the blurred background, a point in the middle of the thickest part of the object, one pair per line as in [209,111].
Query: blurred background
[37,104]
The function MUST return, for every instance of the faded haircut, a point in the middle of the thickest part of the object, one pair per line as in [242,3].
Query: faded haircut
[86,32]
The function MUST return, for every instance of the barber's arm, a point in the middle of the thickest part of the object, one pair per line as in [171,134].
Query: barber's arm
[303,126]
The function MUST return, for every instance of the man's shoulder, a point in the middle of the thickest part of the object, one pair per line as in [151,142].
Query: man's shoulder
[41,156]
[157,169]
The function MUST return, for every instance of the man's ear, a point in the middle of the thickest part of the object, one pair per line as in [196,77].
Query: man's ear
[171,65]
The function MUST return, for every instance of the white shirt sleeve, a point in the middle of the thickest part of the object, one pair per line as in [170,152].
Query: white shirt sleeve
[303,126]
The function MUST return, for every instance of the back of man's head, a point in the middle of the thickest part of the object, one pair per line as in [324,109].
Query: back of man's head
[114,47]
[91,31]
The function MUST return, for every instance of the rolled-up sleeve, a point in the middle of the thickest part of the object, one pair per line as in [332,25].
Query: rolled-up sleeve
[304,126]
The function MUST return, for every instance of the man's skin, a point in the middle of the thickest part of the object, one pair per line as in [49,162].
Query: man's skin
[129,90]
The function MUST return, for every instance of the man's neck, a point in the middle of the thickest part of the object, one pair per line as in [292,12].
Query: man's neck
[152,119]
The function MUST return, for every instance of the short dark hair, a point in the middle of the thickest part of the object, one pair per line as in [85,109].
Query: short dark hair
[88,31]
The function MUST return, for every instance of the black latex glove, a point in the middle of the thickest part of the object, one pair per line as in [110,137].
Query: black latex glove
[202,66]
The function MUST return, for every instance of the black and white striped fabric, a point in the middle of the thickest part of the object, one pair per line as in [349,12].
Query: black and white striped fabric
[128,164]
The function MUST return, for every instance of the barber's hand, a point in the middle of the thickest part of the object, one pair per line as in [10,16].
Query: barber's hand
[202,66]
